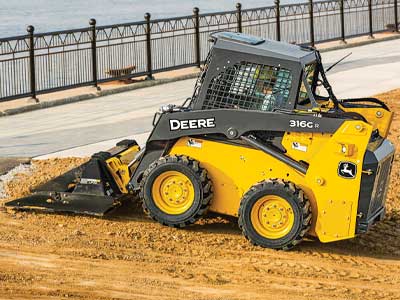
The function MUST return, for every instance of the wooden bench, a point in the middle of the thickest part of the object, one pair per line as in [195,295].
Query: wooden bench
[121,72]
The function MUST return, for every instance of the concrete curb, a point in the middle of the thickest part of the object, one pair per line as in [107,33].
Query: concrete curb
[88,96]
[361,43]
[149,83]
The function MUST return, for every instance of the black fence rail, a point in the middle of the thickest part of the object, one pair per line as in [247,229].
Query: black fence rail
[45,62]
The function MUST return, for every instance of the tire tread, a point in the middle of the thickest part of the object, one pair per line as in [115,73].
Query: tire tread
[287,186]
[201,174]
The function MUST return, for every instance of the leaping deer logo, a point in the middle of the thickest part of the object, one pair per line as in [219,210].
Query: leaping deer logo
[347,170]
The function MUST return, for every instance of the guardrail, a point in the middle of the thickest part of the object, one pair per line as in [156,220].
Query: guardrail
[44,62]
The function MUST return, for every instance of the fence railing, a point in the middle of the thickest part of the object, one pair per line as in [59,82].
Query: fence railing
[43,62]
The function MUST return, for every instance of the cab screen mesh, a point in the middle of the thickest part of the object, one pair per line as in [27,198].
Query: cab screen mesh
[249,86]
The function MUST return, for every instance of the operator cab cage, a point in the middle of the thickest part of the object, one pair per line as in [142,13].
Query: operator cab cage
[247,72]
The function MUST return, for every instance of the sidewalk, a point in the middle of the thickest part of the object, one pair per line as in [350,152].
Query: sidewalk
[89,92]
[86,93]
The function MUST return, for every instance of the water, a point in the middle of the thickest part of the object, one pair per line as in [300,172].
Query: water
[51,15]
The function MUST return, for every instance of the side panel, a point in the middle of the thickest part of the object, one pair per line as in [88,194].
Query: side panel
[337,196]
[304,146]
[234,169]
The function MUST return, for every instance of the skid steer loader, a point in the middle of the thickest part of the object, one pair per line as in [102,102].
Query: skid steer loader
[263,138]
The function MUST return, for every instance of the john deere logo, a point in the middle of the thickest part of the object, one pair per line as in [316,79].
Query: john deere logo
[191,124]
[347,169]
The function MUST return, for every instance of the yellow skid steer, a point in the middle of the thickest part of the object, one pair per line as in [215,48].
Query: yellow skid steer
[263,138]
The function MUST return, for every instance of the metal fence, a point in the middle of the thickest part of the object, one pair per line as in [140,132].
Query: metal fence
[45,62]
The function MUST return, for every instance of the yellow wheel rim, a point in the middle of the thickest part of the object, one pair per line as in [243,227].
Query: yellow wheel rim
[173,192]
[272,217]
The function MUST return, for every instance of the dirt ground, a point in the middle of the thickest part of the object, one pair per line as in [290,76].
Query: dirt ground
[127,256]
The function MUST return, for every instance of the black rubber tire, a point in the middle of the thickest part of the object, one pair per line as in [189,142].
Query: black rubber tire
[201,183]
[300,206]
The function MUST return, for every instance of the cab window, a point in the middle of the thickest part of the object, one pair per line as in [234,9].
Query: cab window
[249,86]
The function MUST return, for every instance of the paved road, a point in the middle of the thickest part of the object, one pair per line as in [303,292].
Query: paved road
[369,70]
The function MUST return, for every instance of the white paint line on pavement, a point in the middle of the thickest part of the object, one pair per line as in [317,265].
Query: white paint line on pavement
[88,150]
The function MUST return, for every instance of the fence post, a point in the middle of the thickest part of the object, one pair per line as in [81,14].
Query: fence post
[32,74]
[371,30]
[278,19]
[396,17]
[343,37]
[147,17]
[239,17]
[92,23]
[311,9]
[197,35]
